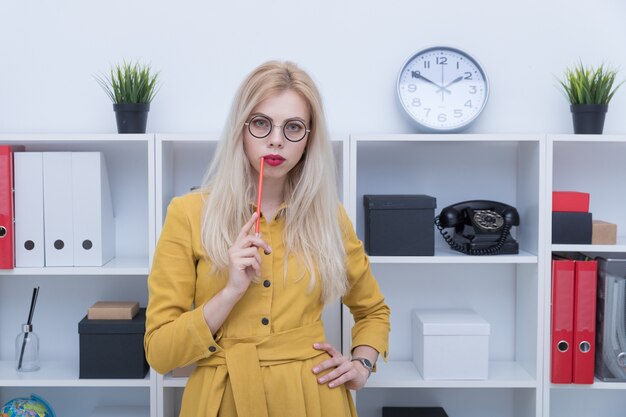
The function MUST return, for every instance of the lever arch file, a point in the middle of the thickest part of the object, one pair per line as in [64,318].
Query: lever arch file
[29,225]
[584,322]
[611,319]
[93,225]
[7,232]
[57,196]
[563,273]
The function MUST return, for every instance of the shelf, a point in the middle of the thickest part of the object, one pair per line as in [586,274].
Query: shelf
[60,373]
[448,256]
[597,385]
[117,266]
[619,247]
[170,381]
[492,137]
[587,138]
[404,374]
[56,138]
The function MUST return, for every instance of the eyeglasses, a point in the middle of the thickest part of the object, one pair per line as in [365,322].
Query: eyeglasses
[261,126]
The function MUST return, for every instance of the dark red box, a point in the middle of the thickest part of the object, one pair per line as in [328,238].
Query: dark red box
[572,201]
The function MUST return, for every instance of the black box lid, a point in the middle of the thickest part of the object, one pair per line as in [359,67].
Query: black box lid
[136,325]
[399,201]
[414,412]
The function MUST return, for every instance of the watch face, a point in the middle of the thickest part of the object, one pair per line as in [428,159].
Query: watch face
[442,89]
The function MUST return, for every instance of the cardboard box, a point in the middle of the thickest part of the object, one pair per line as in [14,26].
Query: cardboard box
[603,233]
[113,310]
[450,344]
[113,348]
[571,228]
[399,225]
[570,201]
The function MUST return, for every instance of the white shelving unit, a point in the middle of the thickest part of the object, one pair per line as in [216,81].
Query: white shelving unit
[512,292]
[506,290]
[67,292]
[593,164]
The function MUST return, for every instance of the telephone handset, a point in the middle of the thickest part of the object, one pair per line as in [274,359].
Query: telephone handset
[480,227]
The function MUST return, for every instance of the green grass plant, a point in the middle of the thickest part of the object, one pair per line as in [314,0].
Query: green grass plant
[589,85]
[130,82]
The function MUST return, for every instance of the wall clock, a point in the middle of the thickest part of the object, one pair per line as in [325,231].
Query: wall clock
[442,89]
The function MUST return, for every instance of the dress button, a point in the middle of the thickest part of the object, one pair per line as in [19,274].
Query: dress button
[265,321]
[212,349]
[267,283]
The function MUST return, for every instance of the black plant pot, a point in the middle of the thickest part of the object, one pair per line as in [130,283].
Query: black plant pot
[131,117]
[588,118]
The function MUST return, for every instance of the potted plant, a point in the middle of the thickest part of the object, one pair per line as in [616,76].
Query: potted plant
[589,91]
[131,87]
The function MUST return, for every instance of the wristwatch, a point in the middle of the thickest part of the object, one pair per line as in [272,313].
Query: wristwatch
[366,363]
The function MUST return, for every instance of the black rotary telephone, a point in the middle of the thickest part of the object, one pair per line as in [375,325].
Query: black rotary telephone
[480,227]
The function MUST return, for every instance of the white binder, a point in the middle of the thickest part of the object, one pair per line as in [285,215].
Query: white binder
[28,200]
[57,200]
[94,227]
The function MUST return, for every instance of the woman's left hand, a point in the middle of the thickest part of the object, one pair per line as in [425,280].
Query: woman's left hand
[345,371]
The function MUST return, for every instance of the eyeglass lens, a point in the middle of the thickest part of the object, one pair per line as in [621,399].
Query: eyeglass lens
[260,126]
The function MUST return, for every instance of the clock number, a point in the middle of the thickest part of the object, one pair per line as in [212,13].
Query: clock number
[473,89]
[457,65]
[416,102]
[458,113]
[426,64]
[412,88]
[468,76]
[442,117]
[427,110]
[442,60]
[468,103]
[415,74]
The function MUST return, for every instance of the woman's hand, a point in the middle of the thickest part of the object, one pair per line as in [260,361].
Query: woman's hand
[244,260]
[345,371]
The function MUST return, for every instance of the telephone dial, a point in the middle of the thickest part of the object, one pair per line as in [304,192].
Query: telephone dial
[480,227]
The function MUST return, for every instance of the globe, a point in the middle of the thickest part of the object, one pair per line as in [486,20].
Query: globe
[26,407]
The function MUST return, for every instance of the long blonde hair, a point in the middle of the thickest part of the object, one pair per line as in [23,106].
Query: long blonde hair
[312,232]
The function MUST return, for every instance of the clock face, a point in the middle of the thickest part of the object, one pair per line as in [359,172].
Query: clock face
[442,89]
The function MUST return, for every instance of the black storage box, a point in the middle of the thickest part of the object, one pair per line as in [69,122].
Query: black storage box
[113,348]
[570,227]
[399,225]
[414,412]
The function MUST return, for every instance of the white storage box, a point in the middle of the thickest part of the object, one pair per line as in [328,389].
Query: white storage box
[450,344]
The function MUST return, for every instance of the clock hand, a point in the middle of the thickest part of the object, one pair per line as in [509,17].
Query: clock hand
[439,87]
[456,80]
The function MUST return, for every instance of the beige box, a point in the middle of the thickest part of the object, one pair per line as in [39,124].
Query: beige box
[113,310]
[183,372]
[603,233]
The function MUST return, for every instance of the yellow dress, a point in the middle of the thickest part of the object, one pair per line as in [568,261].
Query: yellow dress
[259,363]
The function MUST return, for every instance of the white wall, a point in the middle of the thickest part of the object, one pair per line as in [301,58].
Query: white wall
[49,51]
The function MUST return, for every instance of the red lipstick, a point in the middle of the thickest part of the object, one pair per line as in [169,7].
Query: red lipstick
[274,160]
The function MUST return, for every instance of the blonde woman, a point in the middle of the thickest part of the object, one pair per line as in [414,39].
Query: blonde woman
[246,307]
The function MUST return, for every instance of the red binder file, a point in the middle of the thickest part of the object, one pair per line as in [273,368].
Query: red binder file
[563,274]
[584,322]
[7,257]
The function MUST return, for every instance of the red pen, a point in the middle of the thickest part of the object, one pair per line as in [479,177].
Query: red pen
[259,196]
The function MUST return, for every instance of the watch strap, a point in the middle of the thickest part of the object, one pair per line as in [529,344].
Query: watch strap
[366,364]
